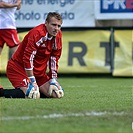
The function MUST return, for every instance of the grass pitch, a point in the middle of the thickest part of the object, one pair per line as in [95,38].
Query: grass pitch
[90,105]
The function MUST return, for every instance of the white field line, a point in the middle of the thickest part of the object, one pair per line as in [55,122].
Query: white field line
[53,116]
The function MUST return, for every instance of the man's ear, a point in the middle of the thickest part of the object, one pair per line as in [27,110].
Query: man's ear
[46,22]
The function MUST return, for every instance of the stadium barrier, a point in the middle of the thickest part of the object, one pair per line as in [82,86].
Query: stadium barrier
[92,51]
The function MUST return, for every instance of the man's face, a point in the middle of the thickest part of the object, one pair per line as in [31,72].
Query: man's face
[53,26]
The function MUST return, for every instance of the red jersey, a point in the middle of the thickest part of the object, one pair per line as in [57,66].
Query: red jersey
[37,51]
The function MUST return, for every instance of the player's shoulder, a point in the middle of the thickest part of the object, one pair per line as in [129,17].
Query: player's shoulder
[38,30]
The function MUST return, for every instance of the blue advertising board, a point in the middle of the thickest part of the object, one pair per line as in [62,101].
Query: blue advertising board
[116,6]
[113,9]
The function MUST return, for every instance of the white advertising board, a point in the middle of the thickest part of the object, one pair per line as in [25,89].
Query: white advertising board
[75,13]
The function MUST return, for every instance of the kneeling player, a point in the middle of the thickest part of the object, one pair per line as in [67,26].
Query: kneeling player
[27,69]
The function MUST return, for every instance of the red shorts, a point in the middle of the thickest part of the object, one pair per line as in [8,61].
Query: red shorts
[17,75]
[10,37]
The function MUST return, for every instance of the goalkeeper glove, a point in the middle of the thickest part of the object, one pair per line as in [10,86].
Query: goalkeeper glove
[33,89]
[55,86]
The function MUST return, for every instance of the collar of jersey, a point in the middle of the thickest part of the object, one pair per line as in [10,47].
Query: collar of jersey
[49,38]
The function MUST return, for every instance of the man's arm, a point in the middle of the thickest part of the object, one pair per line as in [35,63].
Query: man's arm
[29,73]
[8,5]
[33,89]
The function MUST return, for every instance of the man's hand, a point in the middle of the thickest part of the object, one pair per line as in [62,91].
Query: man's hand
[55,86]
[33,89]
[18,4]
[8,5]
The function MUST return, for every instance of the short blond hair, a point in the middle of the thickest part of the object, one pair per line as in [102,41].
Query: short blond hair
[54,14]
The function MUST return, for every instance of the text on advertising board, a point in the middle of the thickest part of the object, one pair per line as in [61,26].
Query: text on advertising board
[116,6]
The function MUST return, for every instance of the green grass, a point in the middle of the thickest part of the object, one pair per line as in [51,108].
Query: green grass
[85,99]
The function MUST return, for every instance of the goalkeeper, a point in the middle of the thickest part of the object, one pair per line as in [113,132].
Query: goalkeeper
[40,49]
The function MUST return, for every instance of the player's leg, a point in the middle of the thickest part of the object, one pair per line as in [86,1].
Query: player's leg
[0,50]
[11,51]
[1,42]
[12,93]
[44,87]
[19,80]
[17,76]
[15,93]
[11,38]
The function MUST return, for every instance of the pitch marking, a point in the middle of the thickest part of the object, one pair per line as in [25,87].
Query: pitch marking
[53,116]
